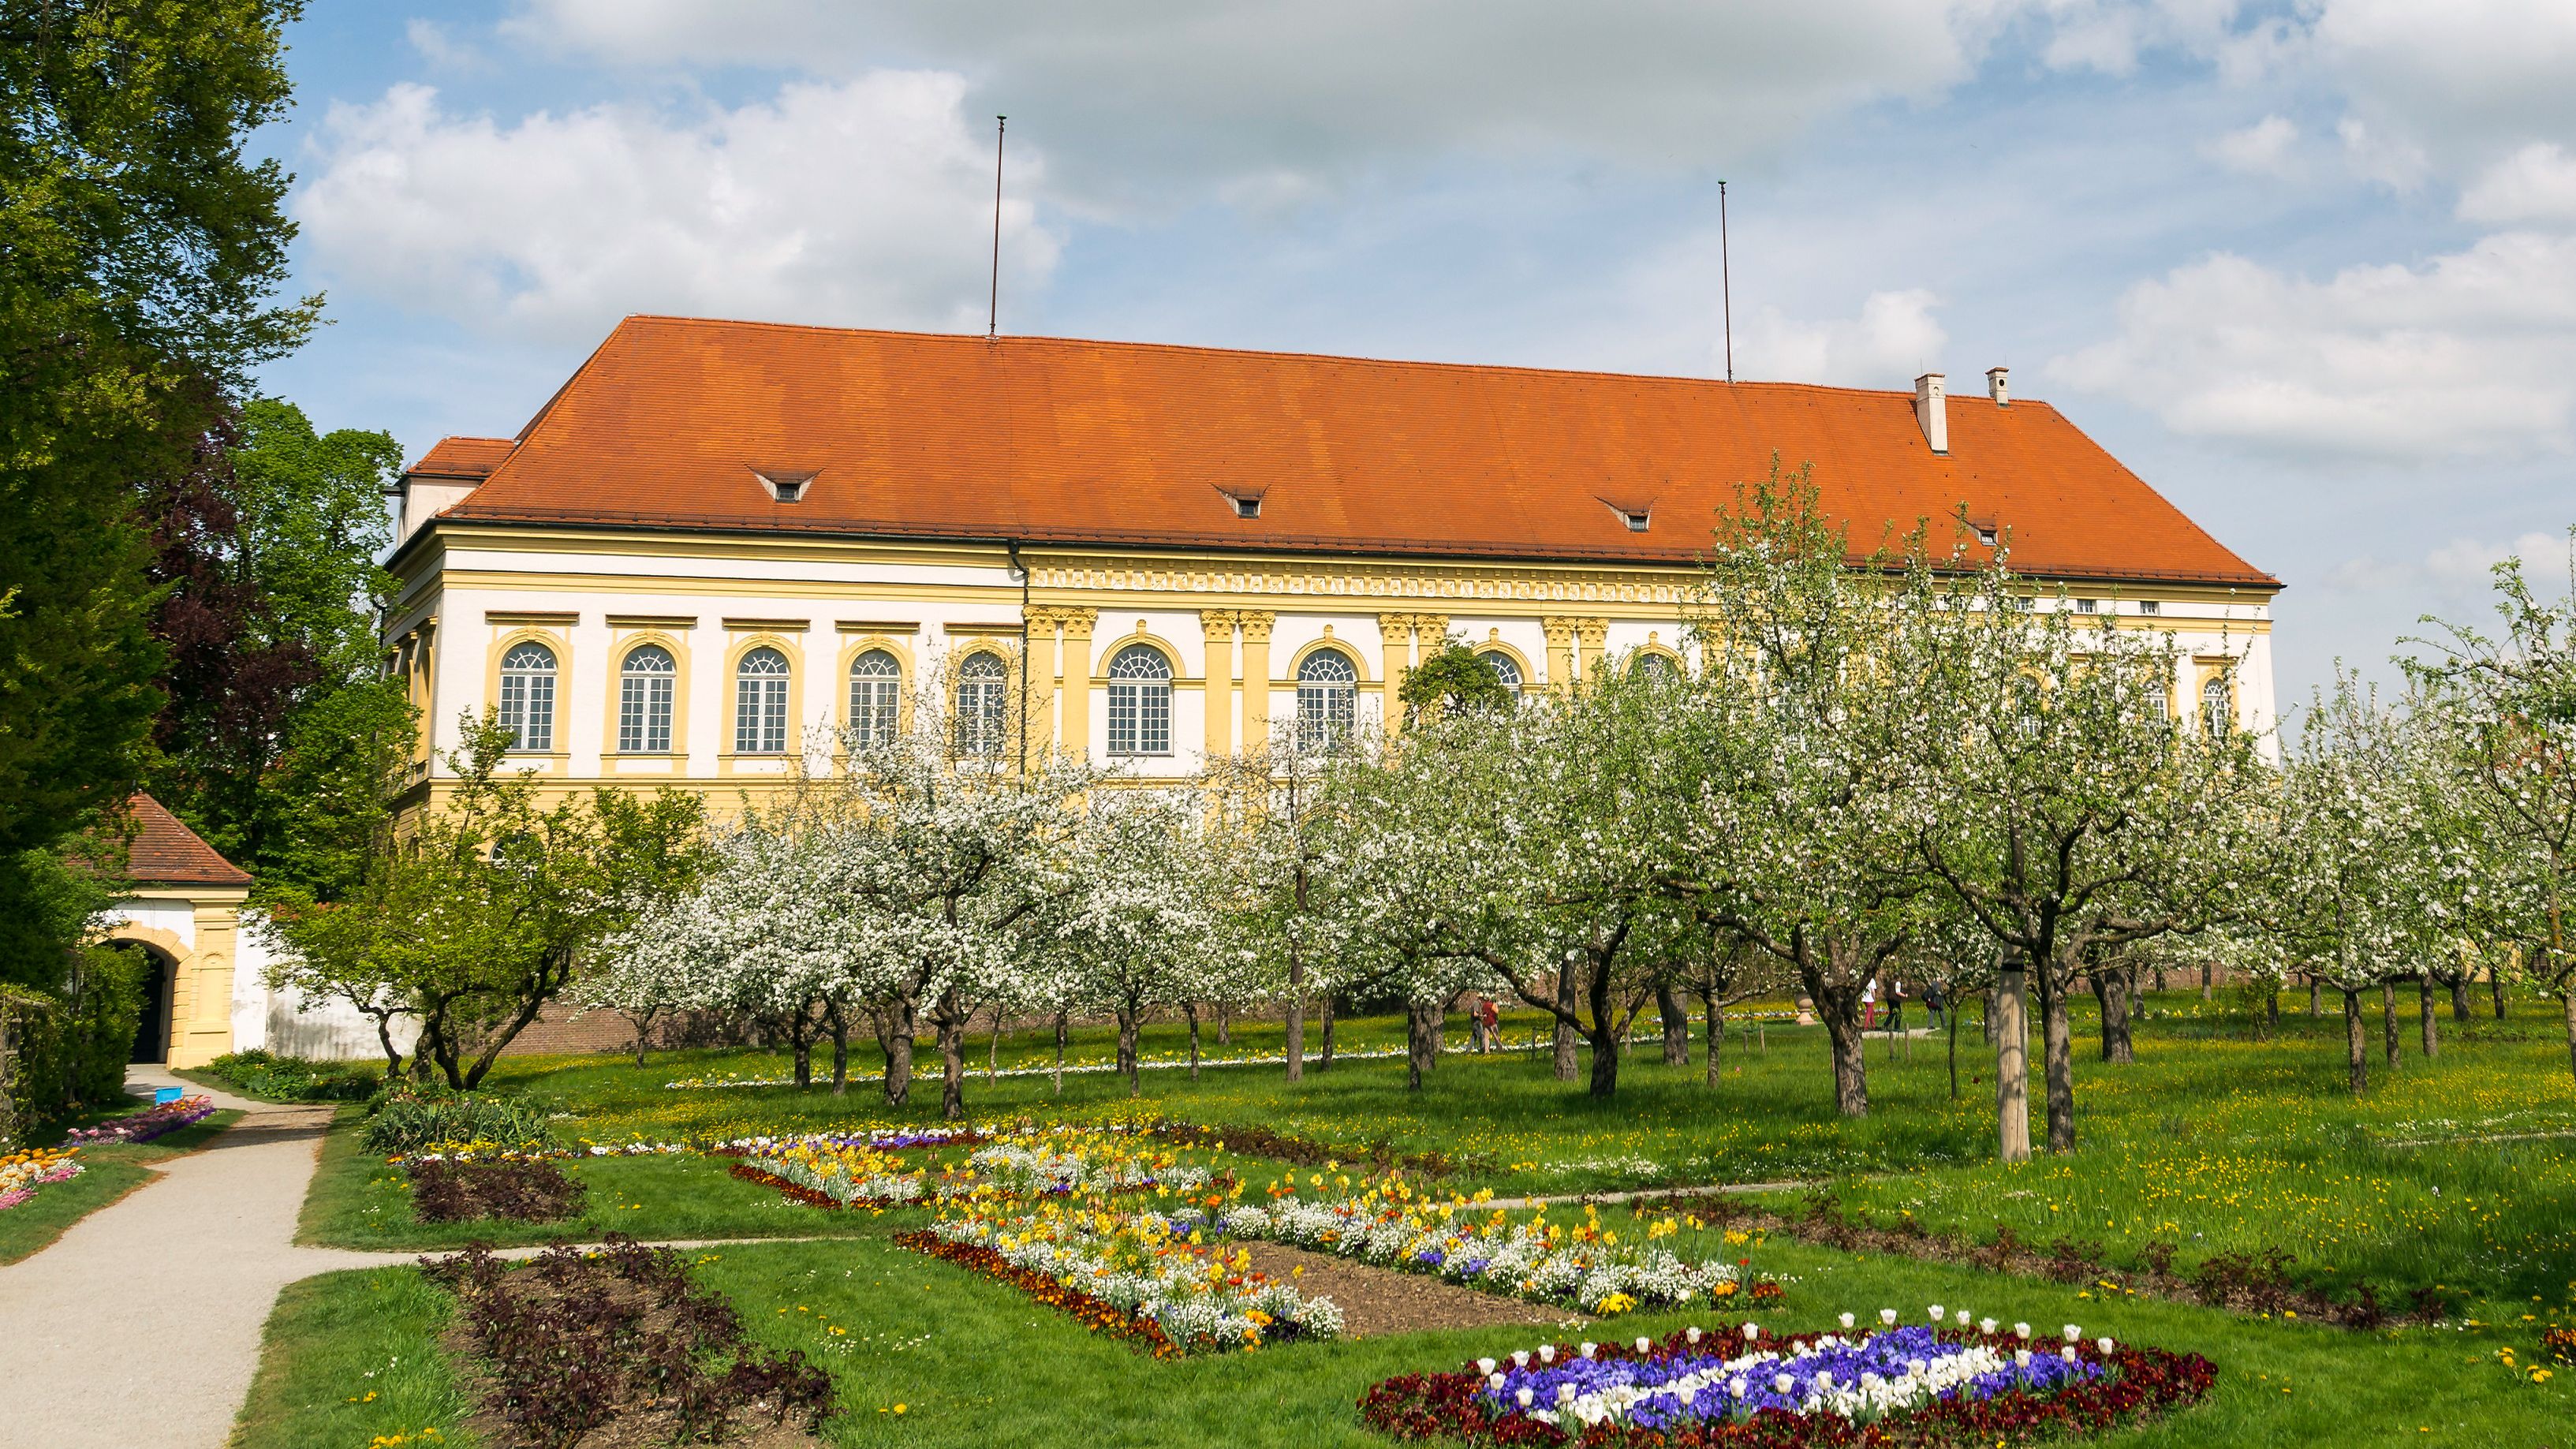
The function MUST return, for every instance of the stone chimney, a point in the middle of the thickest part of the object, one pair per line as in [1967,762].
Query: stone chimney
[1995,386]
[1932,411]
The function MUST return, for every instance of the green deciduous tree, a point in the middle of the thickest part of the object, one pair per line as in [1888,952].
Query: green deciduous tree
[275,685]
[484,914]
[2511,695]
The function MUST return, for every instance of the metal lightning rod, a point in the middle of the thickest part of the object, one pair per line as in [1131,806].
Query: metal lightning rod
[993,315]
[1725,281]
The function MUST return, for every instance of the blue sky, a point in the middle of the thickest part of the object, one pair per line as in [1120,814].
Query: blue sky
[2310,268]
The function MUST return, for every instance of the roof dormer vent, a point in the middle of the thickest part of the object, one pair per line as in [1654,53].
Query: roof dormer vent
[1995,387]
[785,485]
[1245,497]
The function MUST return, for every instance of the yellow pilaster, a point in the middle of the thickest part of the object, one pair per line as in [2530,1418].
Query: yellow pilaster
[1592,633]
[1256,676]
[1044,665]
[1216,627]
[1395,648]
[1075,703]
[1560,653]
[202,1030]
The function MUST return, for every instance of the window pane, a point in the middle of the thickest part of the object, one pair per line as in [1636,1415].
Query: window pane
[1140,702]
[644,693]
[980,706]
[528,696]
[874,680]
[760,703]
[1503,667]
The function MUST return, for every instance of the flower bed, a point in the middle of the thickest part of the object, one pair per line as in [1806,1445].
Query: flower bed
[524,1191]
[580,1340]
[1534,1259]
[147,1124]
[1922,1385]
[1093,1313]
[1200,1298]
[21,1173]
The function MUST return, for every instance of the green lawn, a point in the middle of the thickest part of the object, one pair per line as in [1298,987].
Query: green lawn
[107,1173]
[2214,1141]
[974,1363]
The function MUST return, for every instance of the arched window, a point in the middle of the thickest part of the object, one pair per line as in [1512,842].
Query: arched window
[2217,707]
[1504,669]
[528,696]
[1655,669]
[644,684]
[2027,706]
[876,682]
[980,710]
[760,703]
[1328,698]
[1140,701]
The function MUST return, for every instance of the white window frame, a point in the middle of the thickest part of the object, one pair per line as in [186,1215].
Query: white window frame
[528,697]
[760,702]
[645,694]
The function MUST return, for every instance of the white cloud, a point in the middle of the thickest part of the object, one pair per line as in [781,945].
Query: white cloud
[864,202]
[2460,569]
[1895,339]
[2375,155]
[2472,355]
[2261,149]
[1134,97]
[2536,183]
[2460,76]
[440,49]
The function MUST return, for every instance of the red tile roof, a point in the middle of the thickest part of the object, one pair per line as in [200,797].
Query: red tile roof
[1048,439]
[463,457]
[165,852]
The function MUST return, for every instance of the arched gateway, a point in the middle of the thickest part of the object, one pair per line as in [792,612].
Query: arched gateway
[182,904]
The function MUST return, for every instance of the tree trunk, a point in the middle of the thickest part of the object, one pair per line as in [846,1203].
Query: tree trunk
[1851,1068]
[1324,1009]
[840,1025]
[2316,998]
[2430,1042]
[2388,1020]
[993,1048]
[1566,1004]
[952,1065]
[2460,999]
[2567,999]
[2272,1009]
[1987,1016]
[1059,1051]
[2356,1039]
[2057,1043]
[1952,999]
[2495,988]
[1668,1005]
[1297,993]
[1605,1030]
[802,1044]
[2205,982]
[1417,1044]
[643,1032]
[1715,1031]
[1192,1009]
[2111,988]
[1224,1024]
[1128,1029]
[898,1045]
[2011,1023]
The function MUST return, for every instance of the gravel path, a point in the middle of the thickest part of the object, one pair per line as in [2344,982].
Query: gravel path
[142,1324]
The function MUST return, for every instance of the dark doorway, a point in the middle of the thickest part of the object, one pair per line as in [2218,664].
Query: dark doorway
[152,1033]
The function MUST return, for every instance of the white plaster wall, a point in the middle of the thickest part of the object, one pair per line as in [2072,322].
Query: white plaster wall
[281,1020]
[179,918]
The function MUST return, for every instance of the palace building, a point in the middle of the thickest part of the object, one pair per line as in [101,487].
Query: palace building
[722,542]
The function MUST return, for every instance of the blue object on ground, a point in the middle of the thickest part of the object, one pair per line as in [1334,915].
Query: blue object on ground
[164,1096]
